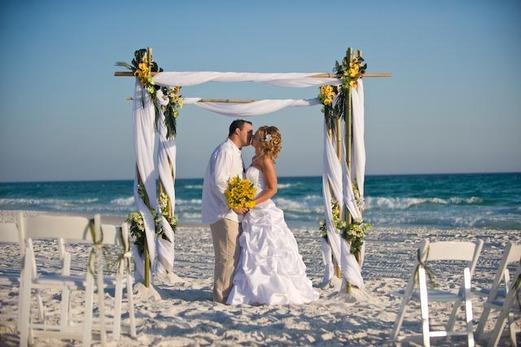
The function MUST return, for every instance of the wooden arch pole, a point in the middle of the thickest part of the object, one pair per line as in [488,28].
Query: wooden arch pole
[348,122]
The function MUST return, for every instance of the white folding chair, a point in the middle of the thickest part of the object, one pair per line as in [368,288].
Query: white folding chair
[9,234]
[113,235]
[460,251]
[61,228]
[106,235]
[77,229]
[498,296]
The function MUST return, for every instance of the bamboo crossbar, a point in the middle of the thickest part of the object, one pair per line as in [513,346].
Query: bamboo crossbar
[320,75]
[222,101]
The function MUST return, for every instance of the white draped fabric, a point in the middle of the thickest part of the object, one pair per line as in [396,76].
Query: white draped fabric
[332,183]
[337,179]
[328,262]
[294,80]
[166,167]
[144,115]
[254,108]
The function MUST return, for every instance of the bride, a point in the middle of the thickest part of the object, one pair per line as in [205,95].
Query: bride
[270,269]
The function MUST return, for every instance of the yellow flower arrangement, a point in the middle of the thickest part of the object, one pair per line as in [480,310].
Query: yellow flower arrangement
[327,94]
[350,71]
[240,193]
[164,206]
[175,96]
[142,72]
[142,67]
[170,102]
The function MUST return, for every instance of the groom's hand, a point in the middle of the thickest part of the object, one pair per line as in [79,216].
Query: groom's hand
[240,210]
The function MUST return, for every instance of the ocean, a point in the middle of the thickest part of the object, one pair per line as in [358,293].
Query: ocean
[442,200]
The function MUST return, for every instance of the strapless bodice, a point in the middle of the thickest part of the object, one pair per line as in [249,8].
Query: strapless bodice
[257,178]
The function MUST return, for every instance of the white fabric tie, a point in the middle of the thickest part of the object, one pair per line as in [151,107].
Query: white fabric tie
[292,79]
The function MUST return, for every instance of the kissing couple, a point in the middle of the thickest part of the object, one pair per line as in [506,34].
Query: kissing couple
[257,261]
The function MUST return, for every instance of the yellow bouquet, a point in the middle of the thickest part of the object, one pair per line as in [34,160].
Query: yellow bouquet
[240,193]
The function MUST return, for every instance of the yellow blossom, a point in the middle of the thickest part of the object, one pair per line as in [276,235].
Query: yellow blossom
[327,94]
[240,193]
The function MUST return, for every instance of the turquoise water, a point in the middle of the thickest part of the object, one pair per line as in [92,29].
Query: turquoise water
[455,200]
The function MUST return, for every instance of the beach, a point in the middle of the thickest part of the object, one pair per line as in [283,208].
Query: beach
[186,314]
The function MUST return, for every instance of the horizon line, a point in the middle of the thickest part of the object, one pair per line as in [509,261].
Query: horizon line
[289,176]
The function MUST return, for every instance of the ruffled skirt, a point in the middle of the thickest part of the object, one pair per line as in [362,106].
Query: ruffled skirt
[270,269]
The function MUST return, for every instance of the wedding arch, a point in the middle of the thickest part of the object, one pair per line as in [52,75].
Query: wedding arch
[157,102]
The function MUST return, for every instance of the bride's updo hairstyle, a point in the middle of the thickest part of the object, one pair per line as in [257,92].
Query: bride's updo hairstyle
[270,140]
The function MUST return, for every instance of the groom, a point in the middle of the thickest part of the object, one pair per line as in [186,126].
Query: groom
[225,163]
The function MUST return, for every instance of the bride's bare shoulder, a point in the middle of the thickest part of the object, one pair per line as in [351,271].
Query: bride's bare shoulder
[267,163]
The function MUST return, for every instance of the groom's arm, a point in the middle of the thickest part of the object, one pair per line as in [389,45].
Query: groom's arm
[223,163]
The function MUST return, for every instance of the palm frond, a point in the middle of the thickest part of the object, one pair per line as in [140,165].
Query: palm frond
[124,64]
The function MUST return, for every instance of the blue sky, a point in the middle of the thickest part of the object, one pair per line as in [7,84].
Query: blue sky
[452,105]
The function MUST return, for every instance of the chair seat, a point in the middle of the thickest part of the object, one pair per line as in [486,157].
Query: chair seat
[498,304]
[501,292]
[436,295]
[10,276]
[72,282]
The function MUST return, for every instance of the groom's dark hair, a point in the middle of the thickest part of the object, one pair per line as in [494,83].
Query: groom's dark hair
[237,124]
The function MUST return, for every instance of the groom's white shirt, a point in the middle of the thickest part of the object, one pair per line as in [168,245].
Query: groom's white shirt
[225,163]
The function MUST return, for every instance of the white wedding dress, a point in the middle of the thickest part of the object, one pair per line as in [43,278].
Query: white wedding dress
[270,269]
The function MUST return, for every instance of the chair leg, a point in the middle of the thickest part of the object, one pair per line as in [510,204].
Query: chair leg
[452,318]
[101,304]
[87,320]
[468,308]
[424,304]
[64,316]
[401,312]
[117,307]
[41,308]
[502,319]
[512,333]
[20,305]
[25,307]
[130,300]
[482,321]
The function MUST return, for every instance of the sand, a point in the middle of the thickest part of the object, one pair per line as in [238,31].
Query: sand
[185,315]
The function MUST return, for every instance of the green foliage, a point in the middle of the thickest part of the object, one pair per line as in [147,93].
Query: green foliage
[166,211]
[354,232]
[172,104]
[137,230]
[350,70]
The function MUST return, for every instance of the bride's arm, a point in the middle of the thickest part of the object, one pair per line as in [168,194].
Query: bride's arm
[270,178]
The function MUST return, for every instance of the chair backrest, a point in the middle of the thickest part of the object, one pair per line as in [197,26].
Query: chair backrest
[72,228]
[453,250]
[513,252]
[9,233]
[111,234]
[511,255]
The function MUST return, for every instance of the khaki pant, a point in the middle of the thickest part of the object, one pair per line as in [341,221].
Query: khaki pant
[225,235]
